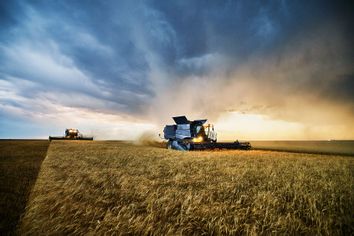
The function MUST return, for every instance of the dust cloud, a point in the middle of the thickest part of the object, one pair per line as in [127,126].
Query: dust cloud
[149,138]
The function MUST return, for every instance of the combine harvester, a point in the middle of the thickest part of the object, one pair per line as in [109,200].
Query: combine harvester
[71,134]
[196,135]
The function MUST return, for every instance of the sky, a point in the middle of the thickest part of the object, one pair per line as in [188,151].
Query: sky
[258,70]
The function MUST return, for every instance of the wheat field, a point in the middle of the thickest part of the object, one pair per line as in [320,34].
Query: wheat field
[20,162]
[121,188]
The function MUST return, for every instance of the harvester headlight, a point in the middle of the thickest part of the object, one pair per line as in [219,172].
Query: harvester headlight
[198,139]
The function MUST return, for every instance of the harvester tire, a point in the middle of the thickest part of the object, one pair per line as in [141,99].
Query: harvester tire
[169,144]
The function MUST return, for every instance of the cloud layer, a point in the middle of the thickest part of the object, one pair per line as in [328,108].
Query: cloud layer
[142,62]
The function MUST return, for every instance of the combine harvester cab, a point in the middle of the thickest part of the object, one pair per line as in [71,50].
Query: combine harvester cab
[71,134]
[196,135]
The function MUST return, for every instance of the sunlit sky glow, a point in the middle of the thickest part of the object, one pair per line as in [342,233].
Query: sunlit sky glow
[115,69]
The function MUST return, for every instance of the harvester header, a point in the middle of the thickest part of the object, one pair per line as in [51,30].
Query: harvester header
[196,135]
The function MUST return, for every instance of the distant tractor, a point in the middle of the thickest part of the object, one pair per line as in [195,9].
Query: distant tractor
[196,135]
[71,134]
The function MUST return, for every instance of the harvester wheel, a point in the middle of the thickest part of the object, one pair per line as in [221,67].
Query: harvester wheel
[169,144]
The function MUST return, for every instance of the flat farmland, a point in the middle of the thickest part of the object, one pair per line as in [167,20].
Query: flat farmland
[120,188]
[341,147]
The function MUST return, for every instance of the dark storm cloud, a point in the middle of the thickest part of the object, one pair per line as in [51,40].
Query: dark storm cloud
[242,29]
[341,89]
[282,50]
[122,56]
[8,19]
